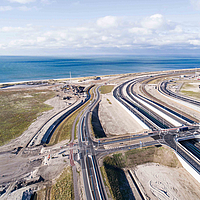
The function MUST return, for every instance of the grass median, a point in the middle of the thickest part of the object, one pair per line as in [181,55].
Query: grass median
[106,89]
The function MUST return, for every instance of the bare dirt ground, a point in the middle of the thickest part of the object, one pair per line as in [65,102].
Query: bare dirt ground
[114,119]
[161,182]
[31,167]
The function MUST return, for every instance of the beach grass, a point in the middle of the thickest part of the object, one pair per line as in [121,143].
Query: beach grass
[19,109]
[191,90]
[63,188]
[191,94]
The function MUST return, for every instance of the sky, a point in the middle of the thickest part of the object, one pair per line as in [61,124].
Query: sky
[68,27]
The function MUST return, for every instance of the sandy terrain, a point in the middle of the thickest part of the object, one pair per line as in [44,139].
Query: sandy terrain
[114,119]
[161,182]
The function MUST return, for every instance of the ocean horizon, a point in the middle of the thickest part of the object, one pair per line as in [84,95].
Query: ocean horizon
[28,68]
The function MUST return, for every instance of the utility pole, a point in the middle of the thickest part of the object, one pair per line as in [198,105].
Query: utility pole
[70,82]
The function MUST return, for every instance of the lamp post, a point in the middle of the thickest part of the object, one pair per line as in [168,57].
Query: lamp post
[176,143]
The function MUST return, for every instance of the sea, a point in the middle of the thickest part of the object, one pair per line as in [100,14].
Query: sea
[28,68]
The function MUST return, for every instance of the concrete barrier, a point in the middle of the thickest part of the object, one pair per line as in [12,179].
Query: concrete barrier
[189,168]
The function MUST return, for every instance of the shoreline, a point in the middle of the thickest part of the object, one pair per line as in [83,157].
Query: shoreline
[82,79]
[62,79]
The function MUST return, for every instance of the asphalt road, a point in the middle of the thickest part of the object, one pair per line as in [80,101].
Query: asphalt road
[93,184]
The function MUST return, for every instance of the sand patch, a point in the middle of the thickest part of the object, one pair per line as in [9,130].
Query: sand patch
[162,182]
[114,119]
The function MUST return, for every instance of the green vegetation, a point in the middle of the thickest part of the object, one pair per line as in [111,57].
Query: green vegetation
[113,165]
[40,195]
[63,189]
[106,89]
[19,109]
[191,94]
[64,130]
[186,90]
[106,180]
[187,86]
[109,101]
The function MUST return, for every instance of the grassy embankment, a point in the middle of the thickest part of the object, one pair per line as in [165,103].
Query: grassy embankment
[64,130]
[63,188]
[112,169]
[187,88]
[19,109]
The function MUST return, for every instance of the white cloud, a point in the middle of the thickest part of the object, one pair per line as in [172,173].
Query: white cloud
[178,29]
[47,1]
[195,3]
[140,31]
[16,29]
[5,8]
[25,8]
[41,39]
[194,42]
[22,1]
[156,21]
[107,22]
[108,31]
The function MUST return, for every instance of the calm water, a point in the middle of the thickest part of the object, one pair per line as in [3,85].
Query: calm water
[19,68]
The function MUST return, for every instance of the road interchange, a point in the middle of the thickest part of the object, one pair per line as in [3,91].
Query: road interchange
[163,135]
[162,131]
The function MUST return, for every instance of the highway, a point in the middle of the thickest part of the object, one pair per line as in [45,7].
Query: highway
[154,114]
[163,89]
[158,114]
[163,134]
[170,141]
[152,119]
[149,111]
[173,116]
[93,183]
[136,110]
[167,107]
[166,137]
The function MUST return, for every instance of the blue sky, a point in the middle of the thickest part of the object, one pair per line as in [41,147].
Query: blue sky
[60,27]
